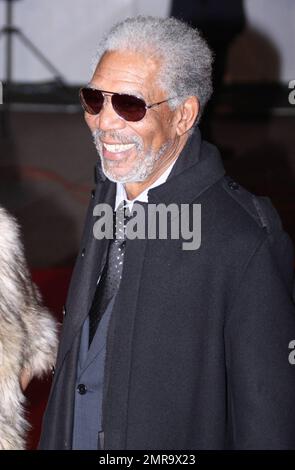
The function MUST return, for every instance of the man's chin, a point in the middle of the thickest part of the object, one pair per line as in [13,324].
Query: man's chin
[117,176]
[114,172]
[128,171]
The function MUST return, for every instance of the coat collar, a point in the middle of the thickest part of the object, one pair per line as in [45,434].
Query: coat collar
[197,168]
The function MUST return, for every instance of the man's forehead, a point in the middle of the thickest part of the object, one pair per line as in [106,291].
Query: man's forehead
[113,71]
[125,69]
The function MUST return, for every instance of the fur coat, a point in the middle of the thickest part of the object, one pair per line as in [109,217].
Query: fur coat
[28,333]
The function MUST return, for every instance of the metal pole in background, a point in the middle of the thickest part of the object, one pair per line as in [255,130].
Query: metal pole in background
[8,29]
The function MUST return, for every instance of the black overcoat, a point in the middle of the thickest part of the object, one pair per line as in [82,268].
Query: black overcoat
[198,343]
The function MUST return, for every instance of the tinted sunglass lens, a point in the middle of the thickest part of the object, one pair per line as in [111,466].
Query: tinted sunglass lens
[91,100]
[129,107]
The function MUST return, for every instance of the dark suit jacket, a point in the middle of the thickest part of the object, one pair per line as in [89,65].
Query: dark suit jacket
[197,354]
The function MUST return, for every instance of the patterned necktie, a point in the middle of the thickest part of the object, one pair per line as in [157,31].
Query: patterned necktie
[110,279]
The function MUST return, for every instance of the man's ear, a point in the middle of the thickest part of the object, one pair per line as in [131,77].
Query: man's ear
[188,112]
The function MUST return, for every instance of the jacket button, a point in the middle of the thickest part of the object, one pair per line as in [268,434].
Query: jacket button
[52,371]
[64,312]
[233,185]
[83,252]
[82,389]
[92,194]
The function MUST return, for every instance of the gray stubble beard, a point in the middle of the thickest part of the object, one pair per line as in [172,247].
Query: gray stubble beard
[141,170]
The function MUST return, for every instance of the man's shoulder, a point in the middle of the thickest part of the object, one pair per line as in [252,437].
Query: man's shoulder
[256,212]
[247,221]
[242,220]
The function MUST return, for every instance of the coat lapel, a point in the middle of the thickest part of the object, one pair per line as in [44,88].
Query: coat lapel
[87,270]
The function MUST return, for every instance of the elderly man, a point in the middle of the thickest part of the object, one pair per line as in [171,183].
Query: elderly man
[164,347]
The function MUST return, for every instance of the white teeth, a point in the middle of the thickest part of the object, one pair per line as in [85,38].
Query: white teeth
[117,148]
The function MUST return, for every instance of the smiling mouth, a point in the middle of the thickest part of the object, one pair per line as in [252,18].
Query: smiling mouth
[118,148]
[117,151]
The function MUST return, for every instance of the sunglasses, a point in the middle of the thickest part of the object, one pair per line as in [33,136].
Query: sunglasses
[128,107]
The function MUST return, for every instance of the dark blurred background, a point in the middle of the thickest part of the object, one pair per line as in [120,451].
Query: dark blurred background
[46,152]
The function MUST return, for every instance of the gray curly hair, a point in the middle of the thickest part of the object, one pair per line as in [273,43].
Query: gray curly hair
[187,59]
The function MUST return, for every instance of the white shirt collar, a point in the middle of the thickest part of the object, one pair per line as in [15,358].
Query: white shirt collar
[142,197]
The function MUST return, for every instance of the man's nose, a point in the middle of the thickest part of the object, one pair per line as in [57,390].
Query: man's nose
[108,118]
